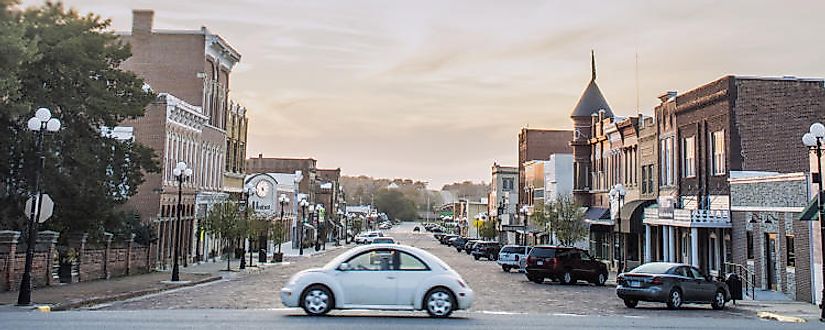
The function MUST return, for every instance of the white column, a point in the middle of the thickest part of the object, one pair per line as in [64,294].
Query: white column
[694,247]
[671,237]
[665,243]
[647,243]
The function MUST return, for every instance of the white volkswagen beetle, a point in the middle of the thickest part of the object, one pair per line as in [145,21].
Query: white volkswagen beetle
[380,277]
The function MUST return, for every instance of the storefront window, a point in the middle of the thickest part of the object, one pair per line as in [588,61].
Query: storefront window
[750,244]
[789,252]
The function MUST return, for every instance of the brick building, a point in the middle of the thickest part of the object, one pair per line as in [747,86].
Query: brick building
[768,236]
[733,124]
[190,69]
[539,144]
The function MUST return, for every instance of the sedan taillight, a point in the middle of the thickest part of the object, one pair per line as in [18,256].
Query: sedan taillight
[656,280]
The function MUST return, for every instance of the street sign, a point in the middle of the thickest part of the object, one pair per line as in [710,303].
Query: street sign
[46,208]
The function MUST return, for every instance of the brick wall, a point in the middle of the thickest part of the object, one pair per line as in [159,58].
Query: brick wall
[539,144]
[125,258]
[771,116]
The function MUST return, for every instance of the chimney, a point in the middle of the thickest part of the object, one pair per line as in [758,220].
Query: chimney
[142,21]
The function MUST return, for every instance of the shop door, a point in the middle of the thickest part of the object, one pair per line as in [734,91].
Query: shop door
[770,260]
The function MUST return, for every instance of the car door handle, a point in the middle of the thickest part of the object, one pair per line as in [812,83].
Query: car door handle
[390,277]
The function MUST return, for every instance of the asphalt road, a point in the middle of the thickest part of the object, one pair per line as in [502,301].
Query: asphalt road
[341,320]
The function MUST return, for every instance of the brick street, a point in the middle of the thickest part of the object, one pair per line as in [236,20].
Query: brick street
[496,291]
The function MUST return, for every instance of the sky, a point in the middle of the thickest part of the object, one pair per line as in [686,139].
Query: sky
[437,90]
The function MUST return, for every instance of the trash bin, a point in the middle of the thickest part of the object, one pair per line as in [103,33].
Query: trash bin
[262,255]
[734,283]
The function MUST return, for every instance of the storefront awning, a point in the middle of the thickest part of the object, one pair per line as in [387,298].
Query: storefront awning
[631,214]
[598,216]
[811,212]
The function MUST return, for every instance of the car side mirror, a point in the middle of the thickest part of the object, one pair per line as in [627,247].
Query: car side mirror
[343,267]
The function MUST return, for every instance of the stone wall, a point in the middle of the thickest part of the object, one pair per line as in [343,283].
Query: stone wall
[93,262]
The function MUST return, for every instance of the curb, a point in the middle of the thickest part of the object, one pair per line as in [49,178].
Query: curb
[127,295]
[780,317]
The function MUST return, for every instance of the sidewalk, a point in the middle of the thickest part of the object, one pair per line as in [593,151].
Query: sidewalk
[783,311]
[75,295]
[289,252]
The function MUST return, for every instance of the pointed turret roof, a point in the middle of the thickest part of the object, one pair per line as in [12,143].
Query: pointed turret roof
[592,99]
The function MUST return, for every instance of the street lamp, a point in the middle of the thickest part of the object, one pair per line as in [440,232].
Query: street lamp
[42,121]
[815,140]
[320,228]
[283,200]
[340,214]
[303,204]
[181,173]
[524,210]
[617,193]
[314,224]
[248,190]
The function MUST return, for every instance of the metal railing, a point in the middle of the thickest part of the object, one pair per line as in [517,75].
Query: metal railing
[748,278]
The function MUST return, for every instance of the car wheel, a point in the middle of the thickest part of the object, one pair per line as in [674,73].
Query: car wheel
[674,299]
[718,302]
[457,250]
[439,303]
[317,300]
[567,278]
[631,303]
[476,257]
[505,268]
[601,279]
[492,257]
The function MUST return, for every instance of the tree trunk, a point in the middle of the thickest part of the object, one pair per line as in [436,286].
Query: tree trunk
[229,252]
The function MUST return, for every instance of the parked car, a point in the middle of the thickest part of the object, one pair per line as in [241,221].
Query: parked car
[468,247]
[565,264]
[416,229]
[486,249]
[513,257]
[384,226]
[399,277]
[383,240]
[367,237]
[444,238]
[671,283]
[437,229]
[459,242]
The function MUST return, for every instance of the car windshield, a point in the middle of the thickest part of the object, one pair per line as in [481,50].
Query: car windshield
[652,268]
[543,252]
[513,249]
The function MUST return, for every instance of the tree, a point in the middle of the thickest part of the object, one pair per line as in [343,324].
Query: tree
[69,63]
[226,222]
[488,229]
[567,220]
[395,204]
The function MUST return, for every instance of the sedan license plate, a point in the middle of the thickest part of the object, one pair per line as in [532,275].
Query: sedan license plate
[635,284]
[539,262]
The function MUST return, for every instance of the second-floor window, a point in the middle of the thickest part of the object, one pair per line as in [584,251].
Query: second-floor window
[667,174]
[689,157]
[507,184]
[717,146]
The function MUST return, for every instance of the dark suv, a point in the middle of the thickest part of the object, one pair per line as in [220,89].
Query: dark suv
[488,249]
[459,242]
[564,264]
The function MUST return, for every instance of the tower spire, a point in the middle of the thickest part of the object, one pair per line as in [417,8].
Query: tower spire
[593,63]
